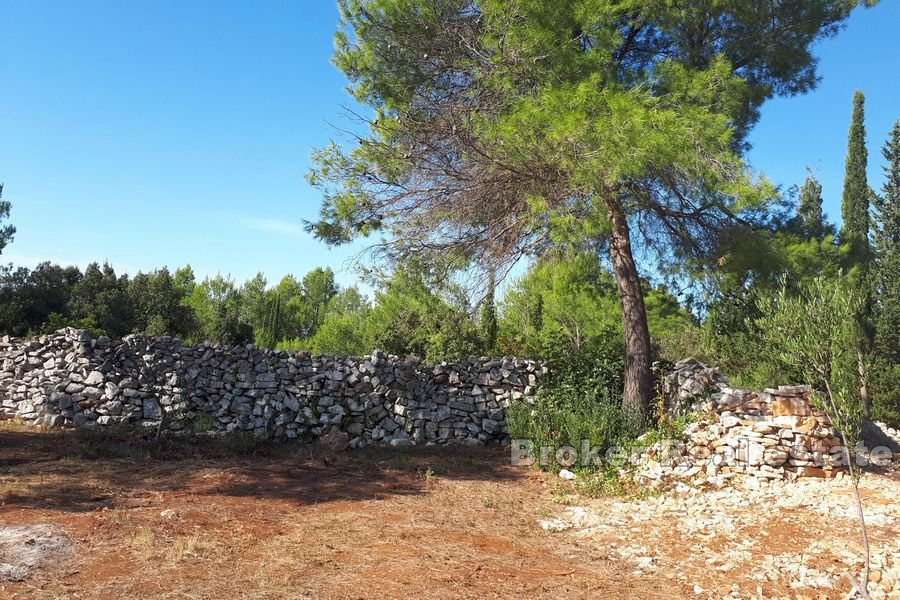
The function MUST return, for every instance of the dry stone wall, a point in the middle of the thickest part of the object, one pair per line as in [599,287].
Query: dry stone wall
[69,378]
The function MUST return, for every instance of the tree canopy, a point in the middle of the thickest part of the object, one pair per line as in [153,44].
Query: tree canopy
[7,231]
[503,126]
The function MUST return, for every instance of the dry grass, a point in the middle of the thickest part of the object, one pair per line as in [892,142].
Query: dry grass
[143,542]
[234,521]
[223,519]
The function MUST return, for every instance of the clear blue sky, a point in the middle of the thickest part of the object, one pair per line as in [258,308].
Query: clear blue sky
[165,133]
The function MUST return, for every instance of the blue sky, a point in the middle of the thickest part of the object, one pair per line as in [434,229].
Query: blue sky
[165,133]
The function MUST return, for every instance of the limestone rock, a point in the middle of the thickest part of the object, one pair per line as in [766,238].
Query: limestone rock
[335,441]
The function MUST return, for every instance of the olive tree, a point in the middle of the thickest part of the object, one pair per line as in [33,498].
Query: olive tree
[816,332]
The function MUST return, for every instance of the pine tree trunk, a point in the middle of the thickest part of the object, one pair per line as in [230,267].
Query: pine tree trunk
[638,395]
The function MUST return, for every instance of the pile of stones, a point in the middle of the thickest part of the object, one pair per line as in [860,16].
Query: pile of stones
[776,434]
[69,378]
[891,432]
[738,538]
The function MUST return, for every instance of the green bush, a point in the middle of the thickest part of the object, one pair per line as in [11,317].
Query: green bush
[688,341]
[240,442]
[605,482]
[580,402]
[565,418]
[817,333]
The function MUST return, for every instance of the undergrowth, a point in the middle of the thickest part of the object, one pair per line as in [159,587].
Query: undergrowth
[579,408]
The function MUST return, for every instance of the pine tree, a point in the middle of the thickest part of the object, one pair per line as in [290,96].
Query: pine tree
[855,231]
[500,128]
[886,242]
[810,218]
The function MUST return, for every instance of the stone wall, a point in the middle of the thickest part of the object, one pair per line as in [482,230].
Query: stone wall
[754,436]
[68,378]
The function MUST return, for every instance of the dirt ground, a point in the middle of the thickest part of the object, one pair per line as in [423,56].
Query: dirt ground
[192,521]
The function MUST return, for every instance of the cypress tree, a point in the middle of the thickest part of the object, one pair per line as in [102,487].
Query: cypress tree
[855,232]
[810,218]
[855,198]
[886,242]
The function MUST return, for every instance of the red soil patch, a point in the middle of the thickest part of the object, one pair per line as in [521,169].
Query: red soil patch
[204,520]
[193,522]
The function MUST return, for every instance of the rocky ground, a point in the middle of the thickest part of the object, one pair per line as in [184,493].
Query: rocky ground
[26,548]
[205,521]
[786,539]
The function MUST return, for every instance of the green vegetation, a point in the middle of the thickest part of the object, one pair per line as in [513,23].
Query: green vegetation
[564,309]
[7,231]
[581,402]
[504,127]
[817,332]
[886,243]
[599,142]
[414,312]
[855,236]
[567,302]
[884,364]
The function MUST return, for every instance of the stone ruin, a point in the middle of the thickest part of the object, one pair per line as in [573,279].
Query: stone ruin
[754,437]
[71,379]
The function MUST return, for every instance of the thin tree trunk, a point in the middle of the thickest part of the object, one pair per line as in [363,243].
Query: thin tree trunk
[855,476]
[638,395]
[162,421]
[867,567]
[864,386]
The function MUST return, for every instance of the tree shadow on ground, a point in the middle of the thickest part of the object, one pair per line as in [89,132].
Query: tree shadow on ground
[77,471]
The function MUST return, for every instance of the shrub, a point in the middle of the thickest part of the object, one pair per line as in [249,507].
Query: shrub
[567,418]
[580,402]
[818,332]
[681,343]
[607,482]
[240,442]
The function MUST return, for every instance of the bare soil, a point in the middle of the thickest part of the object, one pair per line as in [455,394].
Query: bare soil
[203,520]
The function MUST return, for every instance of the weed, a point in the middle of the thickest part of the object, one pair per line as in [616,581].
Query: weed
[608,482]
[429,476]
[240,442]
[143,541]
[545,512]
[201,422]
[187,547]
[560,493]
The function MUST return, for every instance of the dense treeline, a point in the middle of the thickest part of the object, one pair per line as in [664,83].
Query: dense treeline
[565,302]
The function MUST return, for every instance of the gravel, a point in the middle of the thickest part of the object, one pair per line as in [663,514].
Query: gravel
[25,548]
